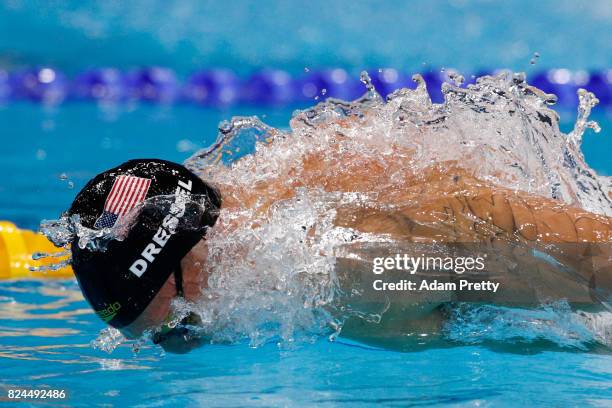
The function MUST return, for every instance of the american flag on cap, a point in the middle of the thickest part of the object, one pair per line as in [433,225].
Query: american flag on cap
[126,193]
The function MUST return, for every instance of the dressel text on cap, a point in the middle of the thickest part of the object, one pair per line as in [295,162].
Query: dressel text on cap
[164,232]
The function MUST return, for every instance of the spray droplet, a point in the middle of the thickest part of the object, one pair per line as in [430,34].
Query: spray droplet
[534,58]
[306,69]
[39,255]
[225,126]
[366,80]
[456,78]
[63,176]
[587,101]
[70,185]
[323,91]
[519,77]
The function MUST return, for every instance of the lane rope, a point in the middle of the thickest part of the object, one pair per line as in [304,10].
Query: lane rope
[223,87]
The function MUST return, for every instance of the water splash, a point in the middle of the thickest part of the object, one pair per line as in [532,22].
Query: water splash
[456,78]
[587,102]
[267,283]
[42,255]
[555,323]
[108,340]
[371,94]
[500,129]
[54,266]
[69,230]
[53,261]
[64,231]
[272,263]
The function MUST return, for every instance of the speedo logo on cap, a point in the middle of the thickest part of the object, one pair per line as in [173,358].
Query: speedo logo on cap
[107,314]
[164,232]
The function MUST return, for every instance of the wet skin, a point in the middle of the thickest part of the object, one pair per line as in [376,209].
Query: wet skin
[443,203]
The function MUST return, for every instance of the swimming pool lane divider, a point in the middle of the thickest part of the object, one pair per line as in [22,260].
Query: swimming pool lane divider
[223,87]
[18,255]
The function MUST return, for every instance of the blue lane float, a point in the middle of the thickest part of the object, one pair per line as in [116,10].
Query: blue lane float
[328,83]
[215,87]
[153,85]
[44,85]
[100,84]
[269,87]
[222,87]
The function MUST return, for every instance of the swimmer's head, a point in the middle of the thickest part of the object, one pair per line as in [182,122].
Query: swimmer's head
[159,211]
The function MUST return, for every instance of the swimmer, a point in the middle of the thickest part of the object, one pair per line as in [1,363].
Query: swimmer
[165,212]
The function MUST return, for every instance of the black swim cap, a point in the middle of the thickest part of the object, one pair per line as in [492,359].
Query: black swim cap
[120,281]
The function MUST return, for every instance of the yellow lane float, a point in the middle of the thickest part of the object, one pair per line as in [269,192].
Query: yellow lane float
[17,248]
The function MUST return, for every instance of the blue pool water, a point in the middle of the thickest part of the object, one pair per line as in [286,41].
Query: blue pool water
[46,327]
[352,34]
[46,330]
[48,345]
[48,153]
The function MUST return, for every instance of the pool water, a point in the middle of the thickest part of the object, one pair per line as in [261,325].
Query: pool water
[188,35]
[47,330]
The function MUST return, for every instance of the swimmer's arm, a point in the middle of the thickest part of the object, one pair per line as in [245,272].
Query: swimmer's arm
[472,214]
[483,214]
[390,319]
